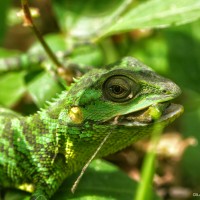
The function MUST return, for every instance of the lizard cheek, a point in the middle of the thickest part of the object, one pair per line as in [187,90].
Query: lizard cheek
[76,115]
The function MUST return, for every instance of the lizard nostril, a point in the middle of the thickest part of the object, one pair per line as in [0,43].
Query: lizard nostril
[164,91]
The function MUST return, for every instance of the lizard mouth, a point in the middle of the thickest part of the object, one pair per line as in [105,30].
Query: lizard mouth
[153,114]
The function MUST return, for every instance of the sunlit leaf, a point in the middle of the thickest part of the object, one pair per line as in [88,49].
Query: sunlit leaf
[156,14]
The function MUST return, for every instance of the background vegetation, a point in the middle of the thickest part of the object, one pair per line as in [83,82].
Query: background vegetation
[165,35]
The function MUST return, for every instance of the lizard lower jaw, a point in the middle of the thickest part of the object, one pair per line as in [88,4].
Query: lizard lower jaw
[166,111]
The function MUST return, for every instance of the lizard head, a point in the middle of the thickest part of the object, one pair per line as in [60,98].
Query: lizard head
[125,99]
[126,93]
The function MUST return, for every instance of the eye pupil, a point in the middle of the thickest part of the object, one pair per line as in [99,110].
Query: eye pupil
[116,89]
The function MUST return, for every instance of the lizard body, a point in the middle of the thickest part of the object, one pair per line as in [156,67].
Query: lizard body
[45,148]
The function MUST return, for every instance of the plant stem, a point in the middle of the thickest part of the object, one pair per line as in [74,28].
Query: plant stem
[144,190]
[28,21]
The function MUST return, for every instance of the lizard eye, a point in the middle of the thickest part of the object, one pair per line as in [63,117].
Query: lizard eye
[119,88]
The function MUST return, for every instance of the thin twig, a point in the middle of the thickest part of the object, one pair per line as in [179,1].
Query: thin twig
[28,21]
[87,164]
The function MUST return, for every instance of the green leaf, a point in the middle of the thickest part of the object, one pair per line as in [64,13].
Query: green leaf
[101,18]
[42,88]
[55,41]
[88,55]
[83,19]
[85,54]
[8,59]
[12,88]
[156,14]
[154,53]
[4,53]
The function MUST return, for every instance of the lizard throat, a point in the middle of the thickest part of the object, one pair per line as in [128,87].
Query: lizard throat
[153,114]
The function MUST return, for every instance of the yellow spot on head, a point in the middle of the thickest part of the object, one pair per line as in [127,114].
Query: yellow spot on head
[76,115]
[26,187]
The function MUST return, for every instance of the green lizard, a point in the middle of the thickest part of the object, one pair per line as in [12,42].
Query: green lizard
[45,148]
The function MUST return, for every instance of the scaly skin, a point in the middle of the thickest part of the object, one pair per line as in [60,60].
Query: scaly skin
[45,148]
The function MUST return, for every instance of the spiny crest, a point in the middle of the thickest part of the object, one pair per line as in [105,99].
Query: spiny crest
[58,96]
[54,100]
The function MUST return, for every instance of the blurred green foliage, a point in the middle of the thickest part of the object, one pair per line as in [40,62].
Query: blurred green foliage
[4,6]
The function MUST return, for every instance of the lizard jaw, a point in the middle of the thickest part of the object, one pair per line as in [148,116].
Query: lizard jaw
[166,111]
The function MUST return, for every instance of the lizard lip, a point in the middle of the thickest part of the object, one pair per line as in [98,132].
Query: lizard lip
[168,112]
